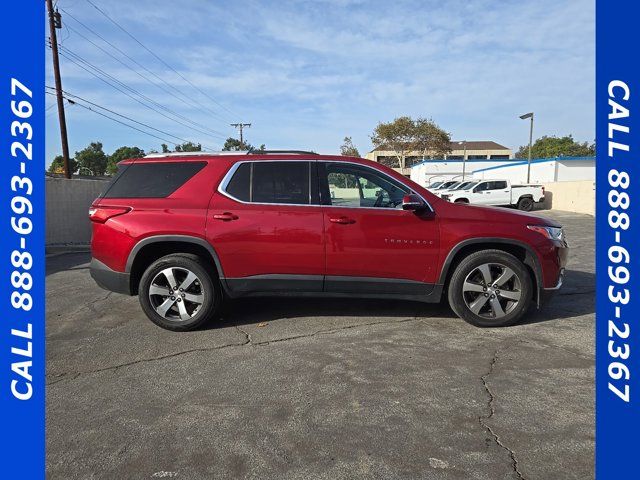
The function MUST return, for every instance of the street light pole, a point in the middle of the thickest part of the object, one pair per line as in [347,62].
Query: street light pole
[464,157]
[524,117]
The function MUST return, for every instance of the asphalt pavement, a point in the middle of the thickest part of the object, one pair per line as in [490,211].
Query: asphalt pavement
[320,389]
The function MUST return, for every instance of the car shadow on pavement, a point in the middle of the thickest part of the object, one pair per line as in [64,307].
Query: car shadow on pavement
[265,309]
[67,261]
[575,298]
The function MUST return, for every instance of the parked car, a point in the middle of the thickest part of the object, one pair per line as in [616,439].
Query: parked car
[187,232]
[434,185]
[498,192]
[456,186]
[442,186]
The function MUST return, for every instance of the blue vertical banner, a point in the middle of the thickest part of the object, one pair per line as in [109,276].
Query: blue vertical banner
[22,224]
[617,240]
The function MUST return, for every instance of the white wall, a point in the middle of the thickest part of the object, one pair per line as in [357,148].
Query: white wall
[579,196]
[551,170]
[435,171]
[545,171]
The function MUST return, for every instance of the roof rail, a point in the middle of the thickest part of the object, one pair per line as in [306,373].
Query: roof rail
[275,152]
[194,154]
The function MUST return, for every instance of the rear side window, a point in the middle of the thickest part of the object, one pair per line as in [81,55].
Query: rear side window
[239,185]
[280,182]
[498,185]
[152,180]
[271,182]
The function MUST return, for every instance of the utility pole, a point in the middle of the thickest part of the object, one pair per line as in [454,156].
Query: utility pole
[54,22]
[239,126]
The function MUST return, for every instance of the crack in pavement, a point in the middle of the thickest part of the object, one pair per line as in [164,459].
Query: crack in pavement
[248,341]
[483,420]
[246,334]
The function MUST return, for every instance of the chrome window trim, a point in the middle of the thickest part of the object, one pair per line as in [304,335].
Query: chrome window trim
[229,175]
[384,175]
[227,178]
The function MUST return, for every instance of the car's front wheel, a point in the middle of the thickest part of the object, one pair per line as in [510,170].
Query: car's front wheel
[490,288]
[179,292]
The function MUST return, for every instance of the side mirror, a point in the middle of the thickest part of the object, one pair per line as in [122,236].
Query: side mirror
[412,202]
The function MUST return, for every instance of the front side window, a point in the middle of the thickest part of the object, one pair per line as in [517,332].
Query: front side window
[355,186]
[482,187]
[270,182]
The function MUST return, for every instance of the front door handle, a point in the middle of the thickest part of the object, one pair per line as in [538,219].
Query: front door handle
[225,217]
[342,220]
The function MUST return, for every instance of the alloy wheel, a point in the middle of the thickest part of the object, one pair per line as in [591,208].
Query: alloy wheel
[492,290]
[176,294]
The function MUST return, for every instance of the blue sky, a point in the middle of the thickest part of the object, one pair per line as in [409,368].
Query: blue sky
[307,73]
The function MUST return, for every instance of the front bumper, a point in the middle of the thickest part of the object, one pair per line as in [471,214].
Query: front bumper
[561,255]
[109,279]
[547,294]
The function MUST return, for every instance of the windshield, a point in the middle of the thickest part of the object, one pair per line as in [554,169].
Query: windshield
[445,185]
[435,185]
[453,186]
[464,185]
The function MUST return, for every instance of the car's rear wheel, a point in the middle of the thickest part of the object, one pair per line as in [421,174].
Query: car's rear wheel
[490,288]
[526,204]
[179,292]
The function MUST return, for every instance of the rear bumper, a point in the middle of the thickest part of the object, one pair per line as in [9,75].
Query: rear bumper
[109,279]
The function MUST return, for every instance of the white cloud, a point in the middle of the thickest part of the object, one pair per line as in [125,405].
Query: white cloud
[337,67]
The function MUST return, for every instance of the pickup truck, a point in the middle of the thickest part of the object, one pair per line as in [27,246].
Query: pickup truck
[498,192]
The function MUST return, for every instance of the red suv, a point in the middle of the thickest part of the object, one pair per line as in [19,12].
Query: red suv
[184,232]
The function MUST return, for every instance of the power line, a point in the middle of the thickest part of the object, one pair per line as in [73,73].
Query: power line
[160,59]
[133,60]
[215,132]
[66,53]
[195,125]
[70,96]
[120,122]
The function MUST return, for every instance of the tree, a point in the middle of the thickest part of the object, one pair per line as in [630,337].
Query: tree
[405,136]
[188,147]
[235,145]
[92,158]
[57,166]
[120,154]
[348,149]
[549,147]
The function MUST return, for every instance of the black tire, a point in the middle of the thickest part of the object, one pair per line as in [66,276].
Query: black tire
[513,310]
[525,204]
[461,200]
[205,288]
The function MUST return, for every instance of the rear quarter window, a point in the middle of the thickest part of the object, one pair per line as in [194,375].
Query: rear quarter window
[151,180]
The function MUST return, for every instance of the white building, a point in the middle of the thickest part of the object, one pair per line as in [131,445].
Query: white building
[543,170]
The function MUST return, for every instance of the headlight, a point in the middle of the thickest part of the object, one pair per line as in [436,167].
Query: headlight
[552,233]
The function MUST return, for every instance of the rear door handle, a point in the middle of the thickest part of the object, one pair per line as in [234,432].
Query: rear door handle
[225,217]
[342,220]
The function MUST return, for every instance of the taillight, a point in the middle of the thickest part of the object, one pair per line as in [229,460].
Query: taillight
[102,214]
